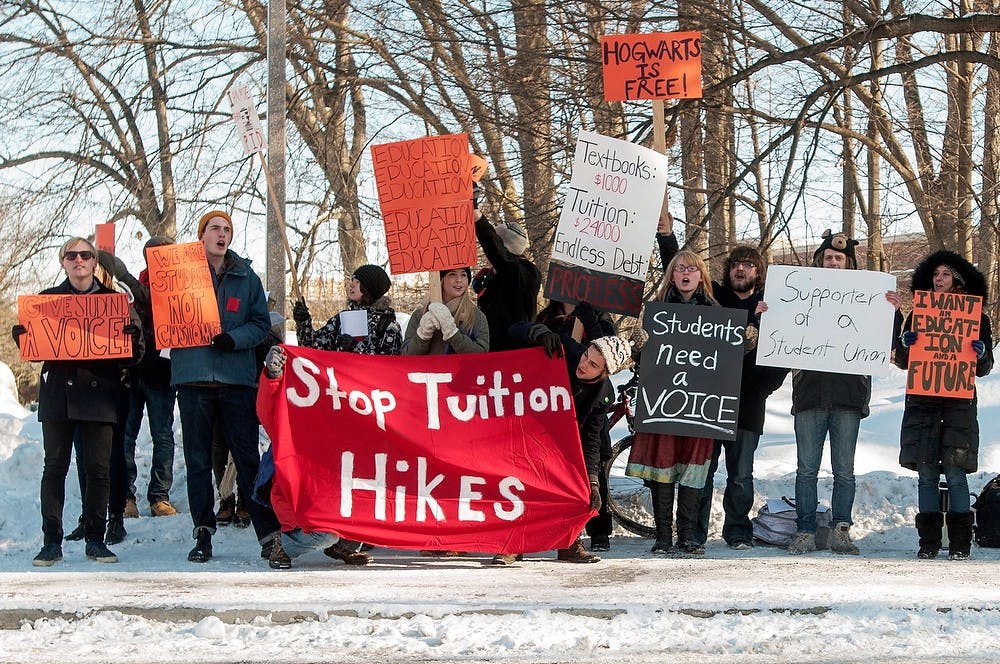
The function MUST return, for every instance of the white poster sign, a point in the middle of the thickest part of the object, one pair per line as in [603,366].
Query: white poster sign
[827,320]
[612,206]
[354,323]
[245,117]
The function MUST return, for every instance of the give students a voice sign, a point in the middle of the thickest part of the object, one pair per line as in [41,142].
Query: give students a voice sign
[827,320]
[475,452]
[601,249]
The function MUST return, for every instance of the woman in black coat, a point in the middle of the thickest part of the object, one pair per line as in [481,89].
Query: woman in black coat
[941,434]
[79,395]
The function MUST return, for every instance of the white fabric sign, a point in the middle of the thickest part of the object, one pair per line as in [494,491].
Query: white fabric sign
[827,320]
[612,206]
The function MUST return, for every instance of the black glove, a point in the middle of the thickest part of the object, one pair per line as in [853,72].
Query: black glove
[547,339]
[595,495]
[16,332]
[300,312]
[346,342]
[131,329]
[223,342]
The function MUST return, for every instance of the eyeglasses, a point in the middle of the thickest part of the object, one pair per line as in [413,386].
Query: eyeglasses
[73,255]
[746,265]
[680,267]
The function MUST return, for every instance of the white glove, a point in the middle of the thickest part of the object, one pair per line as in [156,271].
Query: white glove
[444,317]
[428,324]
[274,363]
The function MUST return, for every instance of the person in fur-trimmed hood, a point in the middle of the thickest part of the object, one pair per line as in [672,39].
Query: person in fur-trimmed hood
[366,292]
[941,434]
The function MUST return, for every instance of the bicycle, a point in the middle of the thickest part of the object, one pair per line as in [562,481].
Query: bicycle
[629,501]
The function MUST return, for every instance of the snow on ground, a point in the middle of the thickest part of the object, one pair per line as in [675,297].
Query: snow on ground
[755,606]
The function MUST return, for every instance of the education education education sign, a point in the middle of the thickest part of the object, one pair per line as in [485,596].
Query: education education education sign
[475,452]
[600,253]
[690,370]
[827,320]
[425,194]
[942,362]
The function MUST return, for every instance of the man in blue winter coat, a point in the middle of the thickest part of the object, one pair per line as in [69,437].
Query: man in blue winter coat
[219,382]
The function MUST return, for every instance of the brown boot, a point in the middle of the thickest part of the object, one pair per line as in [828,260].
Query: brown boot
[350,556]
[577,553]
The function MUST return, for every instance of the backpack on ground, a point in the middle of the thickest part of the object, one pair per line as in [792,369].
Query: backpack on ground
[987,508]
[775,523]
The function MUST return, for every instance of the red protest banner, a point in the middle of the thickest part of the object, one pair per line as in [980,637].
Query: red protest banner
[185,311]
[74,327]
[659,65]
[460,452]
[942,362]
[425,193]
[104,237]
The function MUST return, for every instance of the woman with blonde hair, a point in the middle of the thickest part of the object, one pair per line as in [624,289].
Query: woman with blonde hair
[454,325]
[666,460]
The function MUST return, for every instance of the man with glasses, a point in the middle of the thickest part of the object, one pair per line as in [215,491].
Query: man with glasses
[742,287]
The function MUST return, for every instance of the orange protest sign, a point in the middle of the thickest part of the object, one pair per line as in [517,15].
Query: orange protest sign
[425,193]
[185,310]
[104,237]
[659,65]
[479,167]
[942,362]
[74,327]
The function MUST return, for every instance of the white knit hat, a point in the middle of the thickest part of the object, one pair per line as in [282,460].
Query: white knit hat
[617,352]
[514,237]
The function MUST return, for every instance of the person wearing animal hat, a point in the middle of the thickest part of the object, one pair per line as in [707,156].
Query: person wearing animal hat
[366,293]
[940,434]
[825,403]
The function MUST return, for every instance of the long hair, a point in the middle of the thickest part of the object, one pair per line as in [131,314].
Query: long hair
[464,310]
[688,258]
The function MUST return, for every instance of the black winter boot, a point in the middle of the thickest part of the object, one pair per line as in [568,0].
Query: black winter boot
[929,531]
[77,533]
[662,495]
[688,506]
[116,533]
[202,551]
[959,535]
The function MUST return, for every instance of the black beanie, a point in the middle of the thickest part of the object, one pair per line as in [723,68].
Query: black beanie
[374,281]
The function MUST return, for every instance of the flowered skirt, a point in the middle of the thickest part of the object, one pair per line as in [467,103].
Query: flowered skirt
[667,458]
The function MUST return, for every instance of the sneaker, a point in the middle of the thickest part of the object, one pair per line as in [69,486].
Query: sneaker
[506,559]
[840,540]
[162,508]
[600,543]
[958,555]
[99,552]
[278,558]
[77,533]
[577,553]
[116,533]
[802,542]
[349,555]
[227,510]
[741,545]
[48,556]
[131,511]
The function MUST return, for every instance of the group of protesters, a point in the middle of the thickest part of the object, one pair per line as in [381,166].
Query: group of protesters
[96,406]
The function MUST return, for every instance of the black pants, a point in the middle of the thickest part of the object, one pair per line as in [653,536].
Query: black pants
[94,456]
[601,525]
[120,488]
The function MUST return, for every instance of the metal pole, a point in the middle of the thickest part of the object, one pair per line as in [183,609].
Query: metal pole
[276,47]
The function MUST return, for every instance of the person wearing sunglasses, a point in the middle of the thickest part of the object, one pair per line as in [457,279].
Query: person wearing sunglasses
[79,397]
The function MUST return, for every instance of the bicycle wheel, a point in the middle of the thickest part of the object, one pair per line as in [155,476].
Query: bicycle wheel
[628,497]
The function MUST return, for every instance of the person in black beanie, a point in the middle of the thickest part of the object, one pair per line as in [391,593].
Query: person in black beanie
[365,293]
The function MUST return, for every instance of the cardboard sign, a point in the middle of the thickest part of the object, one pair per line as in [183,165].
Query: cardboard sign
[942,362]
[479,167]
[827,320]
[425,193]
[104,237]
[610,211]
[607,292]
[185,310]
[74,327]
[659,65]
[690,370]
[244,113]
[474,452]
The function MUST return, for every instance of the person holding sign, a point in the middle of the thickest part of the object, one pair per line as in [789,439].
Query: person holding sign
[368,325]
[666,460]
[218,382]
[84,396]
[940,434]
[742,287]
[453,325]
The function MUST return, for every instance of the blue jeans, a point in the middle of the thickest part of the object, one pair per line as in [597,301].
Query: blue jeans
[737,499]
[297,542]
[159,405]
[811,427]
[928,496]
[234,406]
